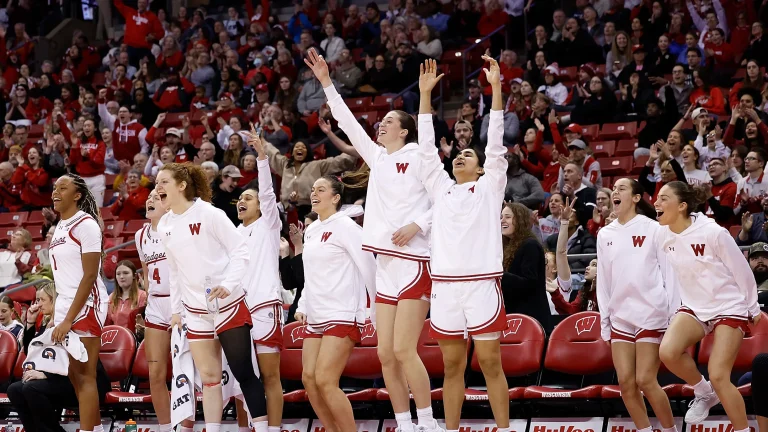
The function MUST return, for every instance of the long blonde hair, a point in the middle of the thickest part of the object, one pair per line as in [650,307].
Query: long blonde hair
[48,288]
[624,56]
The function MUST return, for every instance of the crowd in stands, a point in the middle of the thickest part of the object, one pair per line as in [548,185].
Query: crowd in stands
[597,90]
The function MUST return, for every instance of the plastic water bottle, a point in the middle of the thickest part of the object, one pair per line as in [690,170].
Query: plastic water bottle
[211,305]
[130,426]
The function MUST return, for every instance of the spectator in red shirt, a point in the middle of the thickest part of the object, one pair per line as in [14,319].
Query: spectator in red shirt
[121,81]
[87,154]
[127,300]
[21,44]
[351,25]
[10,196]
[38,107]
[509,71]
[33,181]
[128,136]
[130,203]
[172,96]
[493,18]
[705,95]
[170,56]
[142,29]
[721,52]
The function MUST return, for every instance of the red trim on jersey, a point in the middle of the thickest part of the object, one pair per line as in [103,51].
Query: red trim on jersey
[73,228]
[159,295]
[161,327]
[240,318]
[264,304]
[396,254]
[734,321]
[339,331]
[436,332]
[155,261]
[466,278]
[618,335]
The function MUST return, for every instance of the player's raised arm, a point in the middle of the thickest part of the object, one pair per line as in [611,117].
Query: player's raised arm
[495,163]
[434,177]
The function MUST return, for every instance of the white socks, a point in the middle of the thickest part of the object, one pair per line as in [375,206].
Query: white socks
[260,425]
[273,429]
[166,427]
[98,428]
[672,429]
[186,429]
[212,427]
[648,429]
[404,422]
[703,388]
[425,417]
[243,429]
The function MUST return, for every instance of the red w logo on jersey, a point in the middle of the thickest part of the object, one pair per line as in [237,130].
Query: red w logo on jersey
[368,331]
[194,228]
[585,324]
[298,333]
[513,325]
[637,241]
[472,189]
[108,337]
[698,249]
[325,236]
[401,167]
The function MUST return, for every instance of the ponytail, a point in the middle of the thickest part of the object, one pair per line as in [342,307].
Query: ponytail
[642,207]
[194,177]
[693,197]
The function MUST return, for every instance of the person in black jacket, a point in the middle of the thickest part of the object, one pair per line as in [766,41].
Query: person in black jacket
[40,396]
[660,118]
[599,105]
[292,268]
[580,241]
[523,284]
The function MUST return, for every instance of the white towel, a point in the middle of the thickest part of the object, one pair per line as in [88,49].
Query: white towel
[182,387]
[46,356]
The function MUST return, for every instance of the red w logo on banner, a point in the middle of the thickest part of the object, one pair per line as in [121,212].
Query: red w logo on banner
[585,324]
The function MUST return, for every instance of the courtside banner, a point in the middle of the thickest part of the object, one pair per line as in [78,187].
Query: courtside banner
[515,425]
[295,425]
[625,424]
[226,426]
[719,424]
[575,424]
[362,426]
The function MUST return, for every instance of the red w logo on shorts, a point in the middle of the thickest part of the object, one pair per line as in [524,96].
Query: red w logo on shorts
[368,331]
[637,241]
[108,337]
[585,324]
[325,236]
[401,167]
[194,228]
[513,325]
[298,333]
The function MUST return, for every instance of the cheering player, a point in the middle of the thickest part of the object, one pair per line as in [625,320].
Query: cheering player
[157,339]
[635,302]
[333,303]
[397,219]
[76,252]
[467,251]
[258,211]
[207,258]
[719,295]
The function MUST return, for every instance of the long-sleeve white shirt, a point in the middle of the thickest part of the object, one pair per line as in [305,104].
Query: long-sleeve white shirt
[337,272]
[396,196]
[466,240]
[332,47]
[713,277]
[633,284]
[200,243]
[262,280]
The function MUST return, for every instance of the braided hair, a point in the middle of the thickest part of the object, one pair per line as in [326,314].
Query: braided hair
[87,203]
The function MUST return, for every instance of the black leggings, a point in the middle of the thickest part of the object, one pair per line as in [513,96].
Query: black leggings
[238,345]
[760,384]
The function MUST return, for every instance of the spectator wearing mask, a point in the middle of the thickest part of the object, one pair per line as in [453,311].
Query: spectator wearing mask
[16,260]
[758,262]
[127,300]
[754,226]
[523,284]
[522,187]
[142,30]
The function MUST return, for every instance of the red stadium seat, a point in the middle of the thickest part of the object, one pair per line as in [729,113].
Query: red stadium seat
[522,350]
[640,164]
[364,364]
[36,130]
[110,179]
[139,373]
[735,230]
[106,214]
[13,219]
[9,350]
[626,147]
[575,348]
[18,371]
[570,73]
[590,132]
[602,149]
[118,349]
[753,344]
[37,246]
[616,166]
[113,228]
[36,232]
[290,360]
[382,103]
[35,218]
[173,120]
[360,104]
[370,116]
[132,226]
[618,131]
[6,233]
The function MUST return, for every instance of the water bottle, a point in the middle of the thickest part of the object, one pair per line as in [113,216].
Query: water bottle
[9,427]
[117,427]
[211,305]
[130,426]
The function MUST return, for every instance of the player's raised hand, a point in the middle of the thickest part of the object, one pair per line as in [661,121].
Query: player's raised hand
[492,72]
[428,77]
[319,67]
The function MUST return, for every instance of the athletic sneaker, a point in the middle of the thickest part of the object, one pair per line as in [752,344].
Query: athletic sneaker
[435,428]
[698,409]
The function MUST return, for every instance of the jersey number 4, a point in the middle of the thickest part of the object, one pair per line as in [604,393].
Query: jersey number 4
[156,276]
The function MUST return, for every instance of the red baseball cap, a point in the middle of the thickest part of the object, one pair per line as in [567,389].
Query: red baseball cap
[227,95]
[262,88]
[573,127]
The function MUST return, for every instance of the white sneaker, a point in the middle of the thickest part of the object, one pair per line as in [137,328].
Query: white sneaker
[414,429]
[435,428]
[698,409]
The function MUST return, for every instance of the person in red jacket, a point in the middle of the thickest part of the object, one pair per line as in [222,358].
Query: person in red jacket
[493,18]
[121,81]
[142,29]
[128,136]
[133,196]
[721,194]
[226,109]
[87,154]
[720,51]
[33,181]
[171,55]
[38,107]
[10,196]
